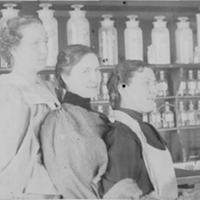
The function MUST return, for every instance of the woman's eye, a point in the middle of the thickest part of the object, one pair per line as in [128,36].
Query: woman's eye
[35,43]
[85,71]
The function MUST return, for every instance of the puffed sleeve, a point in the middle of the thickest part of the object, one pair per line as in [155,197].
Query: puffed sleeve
[125,161]
[66,156]
[14,116]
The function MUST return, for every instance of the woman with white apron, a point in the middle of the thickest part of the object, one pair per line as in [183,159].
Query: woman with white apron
[135,148]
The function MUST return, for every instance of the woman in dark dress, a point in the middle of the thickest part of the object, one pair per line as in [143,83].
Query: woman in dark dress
[74,153]
[135,148]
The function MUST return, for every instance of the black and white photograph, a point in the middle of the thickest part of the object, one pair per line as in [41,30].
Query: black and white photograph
[100,99]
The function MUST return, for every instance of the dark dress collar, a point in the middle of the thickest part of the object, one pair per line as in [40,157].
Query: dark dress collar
[77,100]
[132,113]
[152,135]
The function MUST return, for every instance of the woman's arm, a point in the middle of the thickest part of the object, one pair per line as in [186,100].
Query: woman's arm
[14,118]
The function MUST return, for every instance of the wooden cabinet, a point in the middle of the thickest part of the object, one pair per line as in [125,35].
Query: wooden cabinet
[177,137]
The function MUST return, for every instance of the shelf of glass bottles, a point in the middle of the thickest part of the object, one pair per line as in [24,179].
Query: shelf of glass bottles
[47,70]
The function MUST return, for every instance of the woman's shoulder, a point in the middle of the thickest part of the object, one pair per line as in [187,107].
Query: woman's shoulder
[118,129]
[8,90]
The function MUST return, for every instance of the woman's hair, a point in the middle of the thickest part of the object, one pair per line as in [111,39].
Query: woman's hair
[68,58]
[122,74]
[11,35]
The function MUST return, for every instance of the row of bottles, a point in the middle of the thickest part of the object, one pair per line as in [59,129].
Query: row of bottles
[189,117]
[78,32]
[166,119]
[190,86]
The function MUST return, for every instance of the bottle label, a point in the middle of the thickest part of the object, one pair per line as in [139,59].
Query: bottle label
[191,88]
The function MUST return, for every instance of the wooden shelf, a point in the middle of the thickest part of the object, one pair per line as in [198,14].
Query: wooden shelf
[188,127]
[165,98]
[5,70]
[96,103]
[168,129]
[188,97]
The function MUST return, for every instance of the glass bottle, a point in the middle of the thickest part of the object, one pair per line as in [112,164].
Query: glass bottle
[133,39]
[7,14]
[191,115]
[168,117]
[162,85]
[184,41]
[191,84]
[155,117]
[108,44]
[100,108]
[145,117]
[182,88]
[111,114]
[182,115]
[198,113]
[104,89]
[51,25]
[161,41]
[198,83]
[78,27]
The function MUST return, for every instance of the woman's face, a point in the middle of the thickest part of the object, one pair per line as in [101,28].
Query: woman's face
[84,78]
[142,91]
[32,50]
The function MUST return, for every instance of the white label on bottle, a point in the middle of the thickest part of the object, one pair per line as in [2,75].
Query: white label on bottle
[182,88]
[191,87]
[169,117]
[191,118]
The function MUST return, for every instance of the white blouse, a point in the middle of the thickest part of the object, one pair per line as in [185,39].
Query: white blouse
[23,108]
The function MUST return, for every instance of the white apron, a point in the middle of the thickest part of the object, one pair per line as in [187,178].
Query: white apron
[158,162]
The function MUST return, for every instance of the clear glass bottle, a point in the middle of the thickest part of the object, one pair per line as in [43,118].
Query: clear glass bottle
[155,117]
[108,44]
[161,41]
[104,89]
[182,88]
[182,115]
[133,39]
[111,114]
[145,117]
[191,84]
[191,115]
[163,90]
[7,14]
[100,108]
[198,113]
[168,117]
[198,83]
[184,41]
[51,25]
[78,27]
